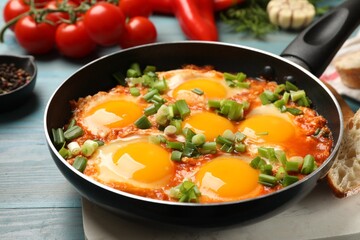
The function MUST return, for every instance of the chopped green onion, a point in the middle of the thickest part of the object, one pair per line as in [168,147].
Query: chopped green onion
[89,147]
[280,174]
[162,115]
[296,95]
[134,91]
[292,166]
[236,111]
[239,137]
[65,153]
[266,169]
[228,134]
[183,108]
[308,165]
[72,123]
[150,94]
[281,156]
[198,91]
[175,145]
[73,132]
[143,122]
[176,123]
[157,99]
[160,85]
[172,109]
[150,110]
[170,130]
[257,162]
[80,163]
[157,139]
[99,142]
[240,147]
[279,89]
[149,68]
[190,150]
[227,148]
[74,148]
[198,139]
[294,111]
[267,180]
[243,85]
[208,147]
[134,70]
[214,104]
[185,192]
[286,97]
[288,180]
[221,140]
[120,78]
[58,137]
[290,87]
[176,155]
[188,133]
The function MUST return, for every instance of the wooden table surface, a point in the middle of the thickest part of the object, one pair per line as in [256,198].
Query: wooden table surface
[36,201]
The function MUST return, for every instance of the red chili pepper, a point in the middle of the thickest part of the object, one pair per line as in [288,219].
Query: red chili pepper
[225,4]
[194,19]
[162,6]
[165,6]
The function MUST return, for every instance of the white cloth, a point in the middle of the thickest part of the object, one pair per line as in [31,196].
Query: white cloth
[332,77]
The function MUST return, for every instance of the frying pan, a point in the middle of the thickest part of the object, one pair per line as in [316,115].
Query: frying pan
[310,52]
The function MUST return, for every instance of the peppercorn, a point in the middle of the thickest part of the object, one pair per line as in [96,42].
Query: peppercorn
[12,77]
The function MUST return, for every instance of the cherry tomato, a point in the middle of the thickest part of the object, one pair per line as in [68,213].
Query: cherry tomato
[139,30]
[73,41]
[133,8]
[104,23]
[36,38]
[14,8]
[57,17]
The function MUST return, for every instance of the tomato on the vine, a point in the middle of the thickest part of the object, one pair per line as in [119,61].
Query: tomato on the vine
[36,38]
[133,8]
[73,41]
[57,17]
[105,23]
[139,30]
[14,8]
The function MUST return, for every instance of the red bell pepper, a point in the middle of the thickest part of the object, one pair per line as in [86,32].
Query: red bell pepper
[196,19]
[165,6]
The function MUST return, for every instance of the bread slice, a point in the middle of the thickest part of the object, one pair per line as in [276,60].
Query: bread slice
[344,176]
[348,67]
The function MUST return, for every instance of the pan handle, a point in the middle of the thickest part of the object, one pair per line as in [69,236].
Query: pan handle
[315,46]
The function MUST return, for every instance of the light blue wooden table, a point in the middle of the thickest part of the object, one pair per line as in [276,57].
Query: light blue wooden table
[36,201]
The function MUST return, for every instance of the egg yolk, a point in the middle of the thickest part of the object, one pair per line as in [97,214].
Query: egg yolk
[113,114]
[143,162]
[212,88]
[210,124]
[229,178]
[271,128]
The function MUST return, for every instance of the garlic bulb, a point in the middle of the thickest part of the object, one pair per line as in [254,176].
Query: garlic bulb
[291,14]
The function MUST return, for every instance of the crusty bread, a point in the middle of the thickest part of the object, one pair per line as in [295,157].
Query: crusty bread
[348,67]
[344,175]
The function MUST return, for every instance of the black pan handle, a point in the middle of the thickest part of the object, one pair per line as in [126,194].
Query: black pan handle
[316,46]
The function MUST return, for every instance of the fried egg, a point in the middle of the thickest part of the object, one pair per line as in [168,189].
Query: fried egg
[182,82]
[134,161]
[266,125]
[105,112]
[208,123]
[227,178]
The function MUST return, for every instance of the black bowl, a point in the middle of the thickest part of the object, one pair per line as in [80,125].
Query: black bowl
[13,99]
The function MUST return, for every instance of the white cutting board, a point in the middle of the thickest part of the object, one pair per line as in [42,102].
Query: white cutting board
[319,215]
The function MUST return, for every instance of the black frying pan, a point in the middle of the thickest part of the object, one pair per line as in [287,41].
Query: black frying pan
[312,50]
